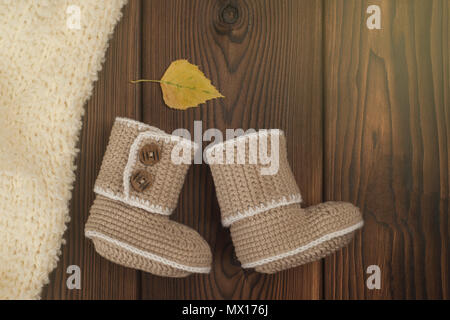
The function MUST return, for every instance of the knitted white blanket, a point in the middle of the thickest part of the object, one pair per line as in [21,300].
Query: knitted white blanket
[50,54]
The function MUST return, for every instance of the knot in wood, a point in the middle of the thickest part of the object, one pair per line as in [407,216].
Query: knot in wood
[230,14]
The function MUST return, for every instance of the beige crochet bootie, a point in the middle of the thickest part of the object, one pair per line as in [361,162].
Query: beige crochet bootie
[137,189]
[260,202]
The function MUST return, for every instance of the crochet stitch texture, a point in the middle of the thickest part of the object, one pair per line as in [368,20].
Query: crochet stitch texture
[131,227]
[47,72]
[270,230]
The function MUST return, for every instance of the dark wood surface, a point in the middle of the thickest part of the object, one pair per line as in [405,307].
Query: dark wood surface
[387,120]
[367,118]
[256,65]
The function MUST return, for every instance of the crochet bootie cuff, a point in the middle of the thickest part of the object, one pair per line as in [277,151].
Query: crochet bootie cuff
[144,167]
[252,175]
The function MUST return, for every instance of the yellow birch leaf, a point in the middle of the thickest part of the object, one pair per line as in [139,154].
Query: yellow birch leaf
[185,86]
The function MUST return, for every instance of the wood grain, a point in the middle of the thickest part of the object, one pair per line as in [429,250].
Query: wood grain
[367,118]
[265,57]
[387,126]
[113,96]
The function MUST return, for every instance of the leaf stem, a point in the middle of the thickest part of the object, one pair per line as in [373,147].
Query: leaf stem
[145,80]
[165,82]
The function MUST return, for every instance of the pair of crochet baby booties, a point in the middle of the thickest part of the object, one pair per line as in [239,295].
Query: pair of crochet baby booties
[138,188]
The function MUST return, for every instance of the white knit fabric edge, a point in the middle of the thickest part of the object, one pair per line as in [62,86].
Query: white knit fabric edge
[146,254]
[295,198]
[47,73]
[248,136]
[133,154]
[305,247]
[134,202]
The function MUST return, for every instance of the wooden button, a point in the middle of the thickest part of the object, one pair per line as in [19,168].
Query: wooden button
[141,180]
[149,154]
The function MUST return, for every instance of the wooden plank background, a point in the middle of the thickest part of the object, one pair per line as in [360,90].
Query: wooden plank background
[387,130]
[367,118]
